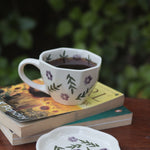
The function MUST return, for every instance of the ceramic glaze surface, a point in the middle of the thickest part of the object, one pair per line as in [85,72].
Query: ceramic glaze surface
[66,86]
[77,138]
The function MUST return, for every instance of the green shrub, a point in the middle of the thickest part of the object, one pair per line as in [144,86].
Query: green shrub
[116,30]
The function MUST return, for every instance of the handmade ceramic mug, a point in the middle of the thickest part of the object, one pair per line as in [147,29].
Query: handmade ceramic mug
[68,74]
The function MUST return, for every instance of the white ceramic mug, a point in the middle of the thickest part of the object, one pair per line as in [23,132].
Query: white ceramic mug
[66,86]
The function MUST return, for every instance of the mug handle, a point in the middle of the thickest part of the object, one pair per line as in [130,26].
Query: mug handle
[36,63]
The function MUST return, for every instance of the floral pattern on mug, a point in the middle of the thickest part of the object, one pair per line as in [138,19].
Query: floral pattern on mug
[88,79]
[49,75]
[64,96]
[77,57]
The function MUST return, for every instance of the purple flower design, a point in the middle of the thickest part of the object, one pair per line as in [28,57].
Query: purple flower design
[64,96]
[88,79]
[49,75]
[77,57]
[73,139]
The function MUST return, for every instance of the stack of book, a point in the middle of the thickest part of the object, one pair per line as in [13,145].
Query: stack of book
[26,114]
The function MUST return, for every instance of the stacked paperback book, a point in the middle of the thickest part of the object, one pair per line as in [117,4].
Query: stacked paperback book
[26,114]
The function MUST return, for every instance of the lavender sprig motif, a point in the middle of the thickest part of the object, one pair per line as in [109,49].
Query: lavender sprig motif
[90,144]
[83,94]
[78,144]
[48,58]
[63,56]
[54,87]
[58,148]
[89,60]
[71,83]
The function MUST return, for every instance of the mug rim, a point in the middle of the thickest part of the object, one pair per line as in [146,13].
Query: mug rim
[98,64]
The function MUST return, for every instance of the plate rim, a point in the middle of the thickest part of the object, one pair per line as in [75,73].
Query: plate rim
[116,143]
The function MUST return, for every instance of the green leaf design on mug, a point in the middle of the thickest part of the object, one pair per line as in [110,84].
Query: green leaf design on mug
[64,56]
[48,58]
[54,87]
[71,82]
[82,95]
[88,60]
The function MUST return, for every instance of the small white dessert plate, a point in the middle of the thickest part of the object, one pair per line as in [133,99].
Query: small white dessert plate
[76,138]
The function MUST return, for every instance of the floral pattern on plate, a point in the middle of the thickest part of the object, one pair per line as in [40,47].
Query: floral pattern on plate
[79,144]
[76,138]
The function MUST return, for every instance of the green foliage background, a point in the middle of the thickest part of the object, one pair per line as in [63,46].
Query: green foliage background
[119,31]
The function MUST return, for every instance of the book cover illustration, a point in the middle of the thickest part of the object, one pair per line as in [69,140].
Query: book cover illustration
[24,103]
[119,116]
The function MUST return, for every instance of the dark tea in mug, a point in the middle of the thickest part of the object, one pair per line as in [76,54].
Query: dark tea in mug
[72,63]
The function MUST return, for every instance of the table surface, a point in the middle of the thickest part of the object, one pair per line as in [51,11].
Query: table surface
[131,137]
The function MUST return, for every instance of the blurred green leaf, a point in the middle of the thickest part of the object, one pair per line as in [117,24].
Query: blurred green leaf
[104,73]
[142,20]
[25,40]
[132,3]
[146,46]
[121,82]
[16,61]
[95,48]
[0,50]
[144,4]
[145,92]
[3,70]
[80,35]
[80,45]
[134,32]
[109,52]
[4,26]
[88,19]
[118,35]
[134,88]
[9,37]
[75,13]
[144,73]
[96,5]
[64,28]
[97,31]
[57,5]
[3,63]
[130,72]
[146,30]
[111,10]
[26,23]
[116,30]
[132,50]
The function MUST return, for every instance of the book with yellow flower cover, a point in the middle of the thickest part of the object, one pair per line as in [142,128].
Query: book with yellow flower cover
[27,111]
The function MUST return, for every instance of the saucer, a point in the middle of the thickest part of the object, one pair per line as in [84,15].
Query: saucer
[76,138]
